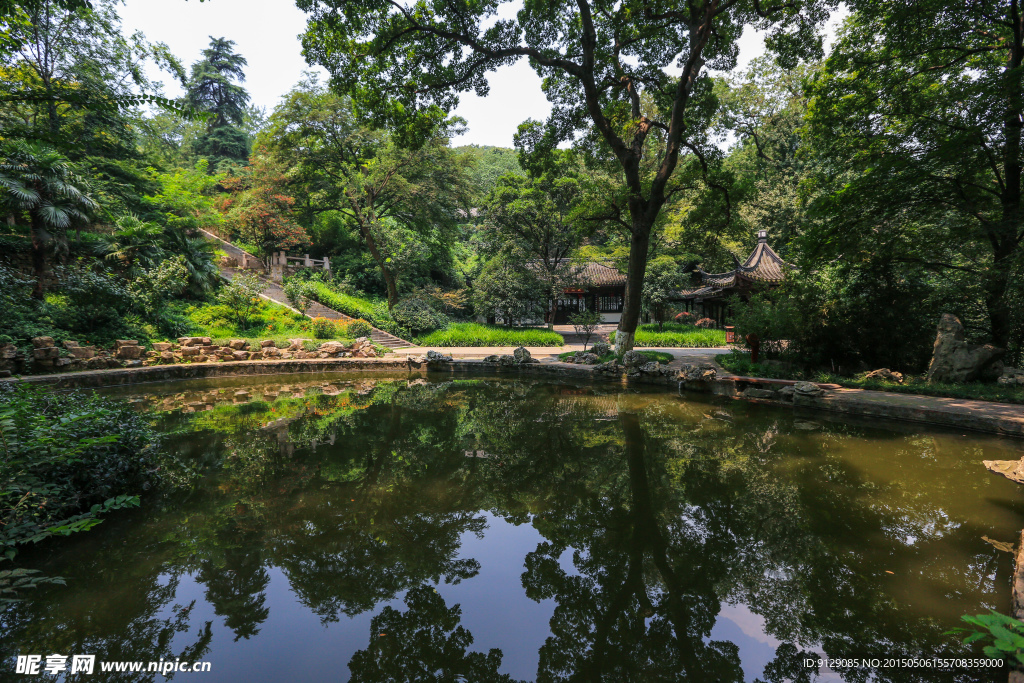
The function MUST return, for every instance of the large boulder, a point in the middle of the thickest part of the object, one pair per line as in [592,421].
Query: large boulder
[600,349]
[808,389]
[238,344]
[332,347]
[436,357]
[954,360]
[632,360]
[522,356]
[506,360]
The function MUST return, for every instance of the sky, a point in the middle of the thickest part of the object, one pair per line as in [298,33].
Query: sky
[266,33]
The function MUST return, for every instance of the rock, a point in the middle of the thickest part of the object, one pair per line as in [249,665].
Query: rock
[271,352]
[82,352]
[295,344]
[753,392]
[42,342]
[807,426]
[193,341]
[651,368]
[632,360]
[697,372]
[1011,377]
[304,355]
[506,360]
[953,359]
[587,358]
[190,351]
[70,344]
[491,359]
[331,347]
[522,355]
[435,357]
[129,351]
[241,395]
[133,364]
[161,346]
[1011,469]
[600,349]
[125,342]
[807,389]
[202,358]
[370,352]
[45,352]
[100,363]
[9,352]
[238,344]
[885,375]
[239,355]
[786,393]
[362,340]
[166,356]
[266,343]
[255,355]
[208,349]
[611,367]
[63,362]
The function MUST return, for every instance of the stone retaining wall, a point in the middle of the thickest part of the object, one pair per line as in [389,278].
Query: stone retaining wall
[981,417]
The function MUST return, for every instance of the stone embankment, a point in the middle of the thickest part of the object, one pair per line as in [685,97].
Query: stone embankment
[700,377]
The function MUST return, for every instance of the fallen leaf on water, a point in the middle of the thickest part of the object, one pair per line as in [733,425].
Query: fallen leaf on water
[998,545]
[889,572]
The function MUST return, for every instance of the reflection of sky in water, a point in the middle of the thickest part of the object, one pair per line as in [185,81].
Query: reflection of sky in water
[495,610]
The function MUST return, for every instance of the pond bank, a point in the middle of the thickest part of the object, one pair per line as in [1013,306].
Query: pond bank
[979,416]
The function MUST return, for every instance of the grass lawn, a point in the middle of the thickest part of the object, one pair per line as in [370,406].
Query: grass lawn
[659,356]
[270,321]
[674,335]
[739,363]
[476,334]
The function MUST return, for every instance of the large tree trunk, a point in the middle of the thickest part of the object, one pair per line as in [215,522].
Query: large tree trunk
[638,246]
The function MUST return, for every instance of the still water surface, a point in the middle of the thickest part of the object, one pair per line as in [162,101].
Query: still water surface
[496,530]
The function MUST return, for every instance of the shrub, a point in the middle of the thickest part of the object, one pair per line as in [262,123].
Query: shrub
[324,328]
[298,295]
[418,315]
[685,318]
[705,323]
[67,458]
[242,297]
[359,328]
[585,323]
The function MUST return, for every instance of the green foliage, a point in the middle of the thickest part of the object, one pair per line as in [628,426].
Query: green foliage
[738,363]
[374,311]
[663,280]
[1006,634]
[672,335]
[585,323]
[609,355]
[507,291]
[68,459]
[185,199]
[297,293]
[211,89]
[358,328]
[134,244]
[418,314]
[324,328]
[475,334]
[241,295]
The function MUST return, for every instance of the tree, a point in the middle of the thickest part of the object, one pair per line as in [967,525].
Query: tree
[403,203]
[918,115]
[664,280]
[506,290]
[585,323]
[135,244]
[535,219]
[38,182]
[604,65]
[212,89]
[261,215]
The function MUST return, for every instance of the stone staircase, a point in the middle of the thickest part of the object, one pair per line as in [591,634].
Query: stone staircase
[274,292]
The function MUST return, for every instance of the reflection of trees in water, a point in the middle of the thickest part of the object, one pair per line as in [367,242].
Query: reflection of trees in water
[424,643]
[669,509]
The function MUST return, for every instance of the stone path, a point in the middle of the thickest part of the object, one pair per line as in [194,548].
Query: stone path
[275,293]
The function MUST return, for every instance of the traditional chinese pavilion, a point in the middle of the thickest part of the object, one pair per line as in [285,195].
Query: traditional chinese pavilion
[762,269]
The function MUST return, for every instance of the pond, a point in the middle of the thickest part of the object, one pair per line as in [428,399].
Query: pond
[345,528]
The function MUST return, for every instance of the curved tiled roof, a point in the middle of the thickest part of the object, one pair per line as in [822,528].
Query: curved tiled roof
[592,273]
[762,266]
